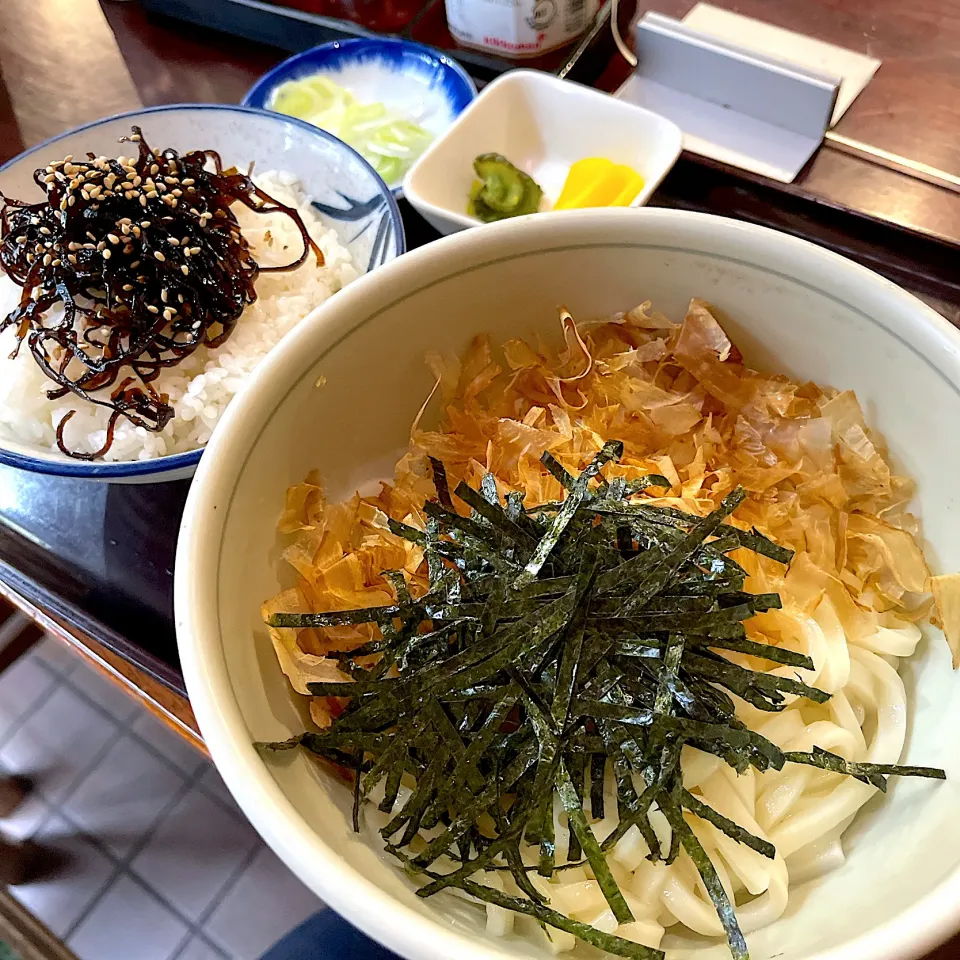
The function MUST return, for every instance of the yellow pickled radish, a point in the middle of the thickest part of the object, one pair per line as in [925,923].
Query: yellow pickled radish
[582,182]
[629,184]
[598,182]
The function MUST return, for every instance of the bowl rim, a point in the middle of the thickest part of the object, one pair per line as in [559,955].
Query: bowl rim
[331,52]
[906,935]
[126,469]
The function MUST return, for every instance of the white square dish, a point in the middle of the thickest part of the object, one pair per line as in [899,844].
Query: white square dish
[542,125]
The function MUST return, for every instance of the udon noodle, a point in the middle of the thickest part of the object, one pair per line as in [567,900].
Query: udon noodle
[686,407]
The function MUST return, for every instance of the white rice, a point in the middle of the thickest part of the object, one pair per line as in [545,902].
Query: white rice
[201,386]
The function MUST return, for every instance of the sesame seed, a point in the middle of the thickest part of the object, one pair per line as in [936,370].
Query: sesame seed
[194,250]
[71,200]
[128,287]
[171,180]
[135,264]
[143,200]
[21,239]
[163,294]
[72,257]
[180,297]
[45,231]
[47,259]
[107,254]
[159,255]
[185,270]
[174,241]
[154,170]
[151,194]
[178,193]
[113,238]
[144,224]
[49,178]
[153,309]
[56,262]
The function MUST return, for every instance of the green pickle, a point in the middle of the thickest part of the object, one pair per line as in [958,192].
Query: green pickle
[502,190]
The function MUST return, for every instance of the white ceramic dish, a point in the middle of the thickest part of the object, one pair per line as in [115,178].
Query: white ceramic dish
[794,307]
[343,187]
[542,125]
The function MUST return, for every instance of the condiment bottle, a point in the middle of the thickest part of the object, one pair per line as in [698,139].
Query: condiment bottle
[519,28]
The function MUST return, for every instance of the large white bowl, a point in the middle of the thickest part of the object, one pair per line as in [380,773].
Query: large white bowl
[794,307]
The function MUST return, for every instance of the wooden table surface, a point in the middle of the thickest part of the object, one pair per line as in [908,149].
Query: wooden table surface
[911,107]
[65,62]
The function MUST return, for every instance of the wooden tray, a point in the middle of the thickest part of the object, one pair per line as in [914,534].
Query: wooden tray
[293,28]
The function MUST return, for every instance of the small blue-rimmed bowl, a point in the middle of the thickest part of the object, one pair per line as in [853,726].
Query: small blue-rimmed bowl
[342,186]
[421,83]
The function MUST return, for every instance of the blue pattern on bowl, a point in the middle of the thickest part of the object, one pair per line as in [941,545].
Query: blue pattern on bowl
[334,176]
[401,73]
[364,213]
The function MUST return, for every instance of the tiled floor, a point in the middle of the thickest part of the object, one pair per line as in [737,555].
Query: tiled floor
[161,863]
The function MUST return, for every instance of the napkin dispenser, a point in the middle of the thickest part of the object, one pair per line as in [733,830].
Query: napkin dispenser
[735,105]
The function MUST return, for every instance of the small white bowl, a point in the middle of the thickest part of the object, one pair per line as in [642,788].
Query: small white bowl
[421,83]
[794,306]
[543,126]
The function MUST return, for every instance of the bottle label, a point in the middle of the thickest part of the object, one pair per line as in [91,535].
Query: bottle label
[519,27]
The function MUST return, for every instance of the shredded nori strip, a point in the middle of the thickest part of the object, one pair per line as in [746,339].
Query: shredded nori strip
[128,266]
[559,646]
